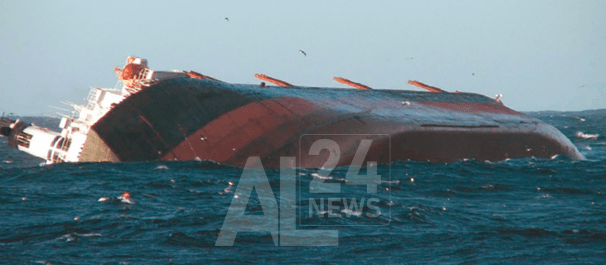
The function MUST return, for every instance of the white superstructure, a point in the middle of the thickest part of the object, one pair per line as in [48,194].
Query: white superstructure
[67,145]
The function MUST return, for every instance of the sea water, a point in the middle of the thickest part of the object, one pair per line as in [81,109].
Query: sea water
[519,211]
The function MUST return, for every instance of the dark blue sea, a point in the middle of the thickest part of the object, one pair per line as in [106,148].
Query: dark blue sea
[520,211]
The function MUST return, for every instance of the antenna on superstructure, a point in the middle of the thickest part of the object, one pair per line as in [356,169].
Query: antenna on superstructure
[60,108]
[63,115]
[74,105]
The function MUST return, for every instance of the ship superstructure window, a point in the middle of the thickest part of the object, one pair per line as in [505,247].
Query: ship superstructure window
[58,145]
[65,145]
[55,141]
[56,158]
[23,139]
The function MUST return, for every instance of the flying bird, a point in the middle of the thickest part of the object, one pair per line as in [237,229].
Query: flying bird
[303,52]
[227,19]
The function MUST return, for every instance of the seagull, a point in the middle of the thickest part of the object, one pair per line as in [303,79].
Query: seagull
[303,52]
[227,19]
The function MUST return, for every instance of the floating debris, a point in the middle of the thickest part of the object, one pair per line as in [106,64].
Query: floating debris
[587,135]
[125,198]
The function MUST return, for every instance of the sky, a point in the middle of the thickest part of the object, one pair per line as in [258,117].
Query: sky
[541,55]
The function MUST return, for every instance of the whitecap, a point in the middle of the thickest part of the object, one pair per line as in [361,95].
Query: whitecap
[161,167]
[68,238]
[89,235]
[322,212]
[587,135]
[318,176]
[126,200]
[349,212]
[390,181]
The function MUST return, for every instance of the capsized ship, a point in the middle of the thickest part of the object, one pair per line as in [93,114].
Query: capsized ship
[184,115]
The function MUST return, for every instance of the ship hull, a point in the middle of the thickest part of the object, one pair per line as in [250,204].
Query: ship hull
[192,119]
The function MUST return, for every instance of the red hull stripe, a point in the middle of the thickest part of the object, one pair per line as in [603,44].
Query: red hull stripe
[222,138]
[273,124]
